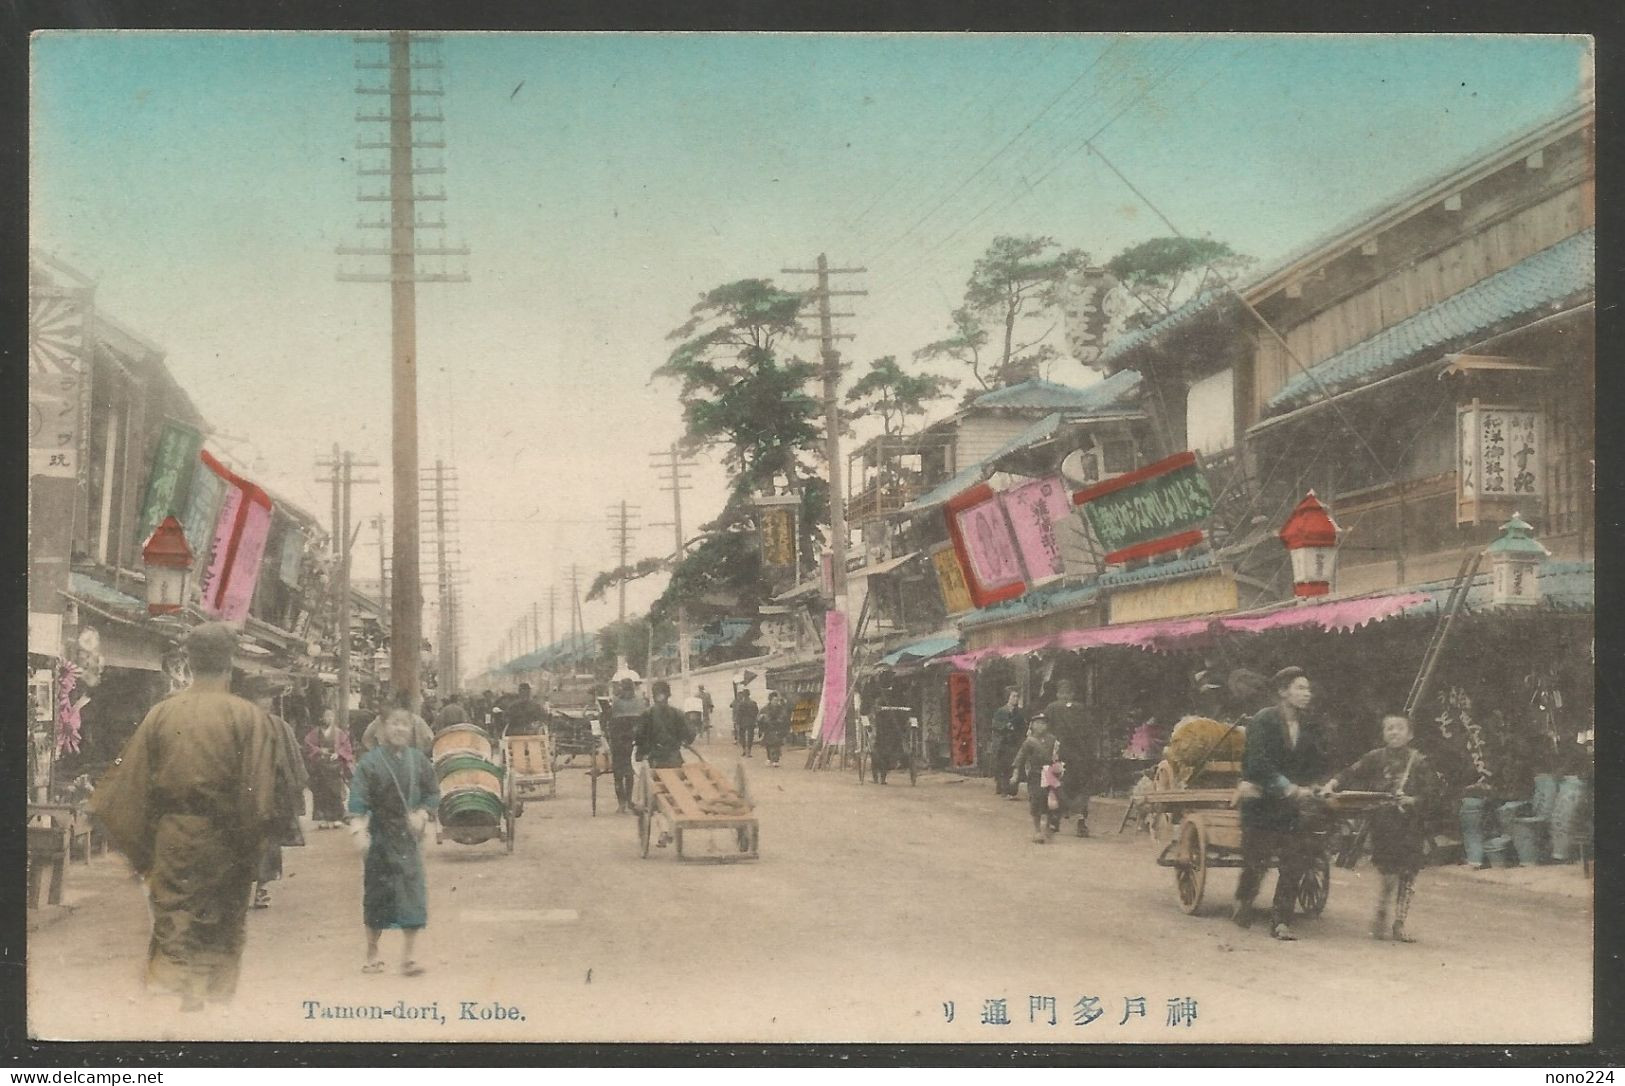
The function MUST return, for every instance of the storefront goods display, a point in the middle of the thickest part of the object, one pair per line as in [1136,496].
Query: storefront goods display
[1568,819]
[1472,829]
[1529,837]
[1498,851]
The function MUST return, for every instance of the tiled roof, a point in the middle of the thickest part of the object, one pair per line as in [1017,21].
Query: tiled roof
[1159,571]
[1127,344]
[1050,597]
[1112,395]
[1106,395]
[1542,281]
[1564,586]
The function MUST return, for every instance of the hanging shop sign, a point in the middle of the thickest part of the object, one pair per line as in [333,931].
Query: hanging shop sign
[170,477]
[238,547]
[292,554]
[202,511]
[987,547]
[1210,594]
[961,719]
[1161,507]
[834,694]
[58,379]
[1498,460]
[778,527]
[951,580]
[1037,511]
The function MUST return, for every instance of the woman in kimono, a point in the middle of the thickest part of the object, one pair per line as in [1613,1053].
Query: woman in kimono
[395,787]
[331,759]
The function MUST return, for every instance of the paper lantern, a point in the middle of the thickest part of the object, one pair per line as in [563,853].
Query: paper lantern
[1311,536]
[167,560]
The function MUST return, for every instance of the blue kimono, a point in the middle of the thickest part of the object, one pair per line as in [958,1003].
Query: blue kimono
[387,784]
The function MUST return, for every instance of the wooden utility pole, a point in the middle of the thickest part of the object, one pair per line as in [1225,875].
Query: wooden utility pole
[832,414]
[383,559]
[446,632]
[344,465]
[674,466]
[401,120]
[621,529]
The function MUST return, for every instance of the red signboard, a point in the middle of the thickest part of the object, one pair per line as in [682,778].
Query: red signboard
[961,719]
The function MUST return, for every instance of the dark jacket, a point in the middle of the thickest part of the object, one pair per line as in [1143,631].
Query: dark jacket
[662,734]
[775,721]
[1270,764]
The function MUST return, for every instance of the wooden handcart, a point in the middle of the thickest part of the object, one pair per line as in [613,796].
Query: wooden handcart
[474,805]
[1207,834]
[696,796]
[532,770]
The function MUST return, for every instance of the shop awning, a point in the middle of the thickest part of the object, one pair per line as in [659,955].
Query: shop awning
[883,567]
[923,650]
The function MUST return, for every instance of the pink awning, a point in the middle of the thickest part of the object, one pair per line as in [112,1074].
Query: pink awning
[1331,615]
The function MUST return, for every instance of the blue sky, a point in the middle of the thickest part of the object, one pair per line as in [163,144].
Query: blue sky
[604,180]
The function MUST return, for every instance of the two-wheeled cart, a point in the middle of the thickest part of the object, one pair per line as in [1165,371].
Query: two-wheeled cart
[532,770]
[696,796]
[474,806]
[1207,834]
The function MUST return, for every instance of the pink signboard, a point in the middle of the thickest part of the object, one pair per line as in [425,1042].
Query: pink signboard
[986,546]
[834,730]
[1037,511]
[239,544]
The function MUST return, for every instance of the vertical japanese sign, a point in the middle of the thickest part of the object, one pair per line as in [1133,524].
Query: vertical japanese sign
[240,535]
[202,510]
[292,554]
[58,376]
[1499,458]
[58,400]
[1036,511]
[951,581]
[987,547]
[834,696]
[169,478]
[961,719]
[1160,507]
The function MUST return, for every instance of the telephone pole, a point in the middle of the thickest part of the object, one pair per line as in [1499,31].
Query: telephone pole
[401,121]
[445,491]
[621,528]
[832,417]
[343,465]
[578,630]
[674,466]
[383,558]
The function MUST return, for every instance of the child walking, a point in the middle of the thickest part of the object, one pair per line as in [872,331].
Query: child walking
[1397,830]
[1038,751]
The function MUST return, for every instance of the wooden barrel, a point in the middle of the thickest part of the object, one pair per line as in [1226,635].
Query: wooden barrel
[472,777]
[463,739]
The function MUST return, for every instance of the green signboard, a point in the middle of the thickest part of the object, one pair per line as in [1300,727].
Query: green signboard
[1160,507]
[170,478]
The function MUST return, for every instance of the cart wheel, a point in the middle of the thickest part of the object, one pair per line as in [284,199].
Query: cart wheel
[913,768]
[507,836]
[1190,865]
[1316,887]
[592,779]
[645,828]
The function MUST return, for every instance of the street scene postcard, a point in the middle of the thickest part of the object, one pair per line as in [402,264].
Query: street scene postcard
[966,538]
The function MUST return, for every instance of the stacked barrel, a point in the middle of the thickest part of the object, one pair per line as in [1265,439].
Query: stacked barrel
[471,803]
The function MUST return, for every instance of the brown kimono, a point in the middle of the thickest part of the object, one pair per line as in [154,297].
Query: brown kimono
[191,801]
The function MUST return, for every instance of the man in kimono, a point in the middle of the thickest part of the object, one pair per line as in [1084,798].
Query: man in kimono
[662,732]
[1079,747]
[191,802]
[620,728]
[1285,755]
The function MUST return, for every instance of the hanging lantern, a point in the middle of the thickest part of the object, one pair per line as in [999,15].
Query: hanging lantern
[1311,536]
[1515,560]
[168,563]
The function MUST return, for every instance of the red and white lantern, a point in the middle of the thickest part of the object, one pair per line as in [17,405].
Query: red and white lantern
[167,559]
[1311,537]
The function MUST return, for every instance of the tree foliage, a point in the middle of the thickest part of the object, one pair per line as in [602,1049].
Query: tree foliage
[894,395]
[1010,308]
[1163,273]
